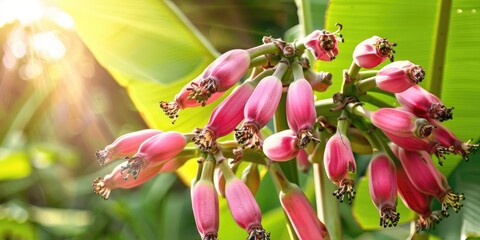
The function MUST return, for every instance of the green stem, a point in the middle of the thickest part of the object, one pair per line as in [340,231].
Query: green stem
[327,205]
[358,110]
[365,85]
[259,77]
[226,170]
[259,61]
[280,70]
[280,123]
[208,169]
[438,61]
[199,171]
[353,71]
[378,90]
[368,133]
[375,101]
[263,49]
[366,74]
[297,71]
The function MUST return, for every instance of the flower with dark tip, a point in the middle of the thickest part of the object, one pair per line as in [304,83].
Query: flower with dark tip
[220,75]
[259,109]
[423,104]
[401,123]
[417,201]
[383,189]
[339,161]
[224,119]
[182,100]
[125,145]
[155,151]
[427,179]
[205,203]
[398,76]
[373,51]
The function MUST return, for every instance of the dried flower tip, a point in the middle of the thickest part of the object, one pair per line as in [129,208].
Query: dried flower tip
[464,148]
[416,73]
[440,112]
[304,137]
[170,109]
[248,137]
[258,233]
[424,130]
[440,151]
[210,237]
[202,91]
[134,166]
[100,188]
[346,187]
[452,200]
[205,140]
[389,217]
[101,156]
[385,48]
[428,222]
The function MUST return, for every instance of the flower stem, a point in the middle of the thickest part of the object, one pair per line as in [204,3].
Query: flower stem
[263,49]
[280,70]
[366,74]
[358,110]
[375,101]
[353,71]
[365,85]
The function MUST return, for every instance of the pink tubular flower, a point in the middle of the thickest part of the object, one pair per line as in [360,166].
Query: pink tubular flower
[324,44]
[417,201]
[104,186]
[124,146]
[223,120]
[383,189]
[281,146]
[301,214]
[373,51]
[155,151]
[205,203]
[423,104]
[242,205]
[338,160]
[182,100]
[259,109]
[447,139]
[220,75]
[427,179]
[301,113]
[401,123]
[303,164]
[398,76]
[419,144]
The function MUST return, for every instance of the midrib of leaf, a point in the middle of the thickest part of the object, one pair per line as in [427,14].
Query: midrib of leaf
[440,45]
[192,29]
